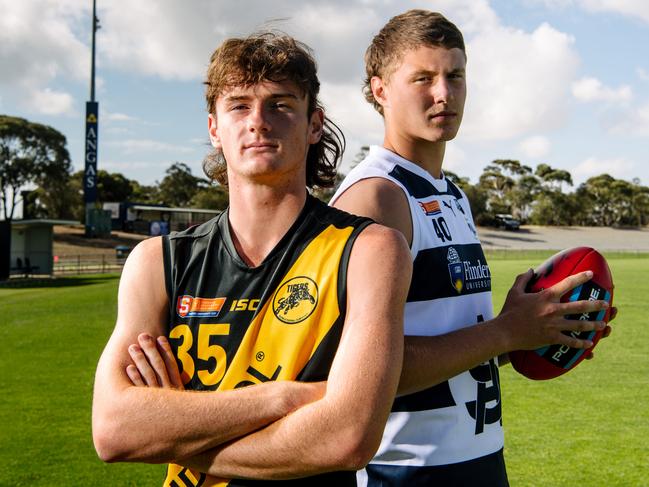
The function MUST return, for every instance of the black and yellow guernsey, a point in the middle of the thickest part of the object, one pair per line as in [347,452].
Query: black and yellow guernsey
[231,325]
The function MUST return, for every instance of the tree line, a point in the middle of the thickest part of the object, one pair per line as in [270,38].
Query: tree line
[539,196]
[32,154]
[36,155]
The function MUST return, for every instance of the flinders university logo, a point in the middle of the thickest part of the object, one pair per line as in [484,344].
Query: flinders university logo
[455,269]
[469,273]
[295,300]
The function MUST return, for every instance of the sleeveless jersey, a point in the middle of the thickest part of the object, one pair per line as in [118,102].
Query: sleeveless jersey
[449,434]
[231,325]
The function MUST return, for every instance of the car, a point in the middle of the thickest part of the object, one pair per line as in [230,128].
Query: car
[508,222]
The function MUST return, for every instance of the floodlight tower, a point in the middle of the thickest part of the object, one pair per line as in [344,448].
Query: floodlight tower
[92,126]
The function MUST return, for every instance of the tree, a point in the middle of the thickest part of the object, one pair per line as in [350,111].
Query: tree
[460,181]
[325,194]
[496,183]
[63,200]
[179,185]
[554,208]
[511,187]
[113,187]
[30,153]
[640,203]
[211,198]
[143,193]
[606,201]
[553,178]
[360,155]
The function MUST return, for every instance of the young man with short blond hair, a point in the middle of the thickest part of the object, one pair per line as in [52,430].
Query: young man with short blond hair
[445,428]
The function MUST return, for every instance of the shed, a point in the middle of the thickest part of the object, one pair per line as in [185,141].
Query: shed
[31,245]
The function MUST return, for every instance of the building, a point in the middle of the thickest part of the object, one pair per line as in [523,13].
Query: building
[31,246]
[155,220]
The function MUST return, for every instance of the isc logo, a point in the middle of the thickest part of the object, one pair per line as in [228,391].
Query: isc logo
[244,305]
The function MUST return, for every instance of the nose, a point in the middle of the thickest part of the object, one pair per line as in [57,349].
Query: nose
[441,90]
[258,120]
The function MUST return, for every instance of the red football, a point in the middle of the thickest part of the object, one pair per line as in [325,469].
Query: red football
[554,360]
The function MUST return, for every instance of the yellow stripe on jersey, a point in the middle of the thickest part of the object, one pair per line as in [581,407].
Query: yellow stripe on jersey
[286,347]
[178,476]
[294,320]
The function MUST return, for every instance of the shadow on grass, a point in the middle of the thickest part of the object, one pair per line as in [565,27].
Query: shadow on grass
[71,281]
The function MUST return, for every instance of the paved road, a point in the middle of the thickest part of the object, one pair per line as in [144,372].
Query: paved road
[558,238]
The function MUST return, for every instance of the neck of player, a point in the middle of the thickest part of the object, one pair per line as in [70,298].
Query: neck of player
[261,214]
[426,154]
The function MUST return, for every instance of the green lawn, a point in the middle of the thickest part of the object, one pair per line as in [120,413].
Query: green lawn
[52,338]
[589,427]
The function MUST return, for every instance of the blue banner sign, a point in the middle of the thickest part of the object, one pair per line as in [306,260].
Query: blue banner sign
[90,168]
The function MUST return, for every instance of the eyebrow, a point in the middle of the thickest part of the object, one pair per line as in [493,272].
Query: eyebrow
[274,96]
[429,71]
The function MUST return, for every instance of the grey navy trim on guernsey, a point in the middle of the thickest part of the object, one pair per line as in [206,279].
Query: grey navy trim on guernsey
[455,427]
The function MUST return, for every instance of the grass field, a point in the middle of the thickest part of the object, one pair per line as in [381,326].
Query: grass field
[589,427]
[52,338]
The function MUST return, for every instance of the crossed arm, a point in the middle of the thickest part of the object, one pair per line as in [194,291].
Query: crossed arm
[159,425]
[527,320]
[308,431]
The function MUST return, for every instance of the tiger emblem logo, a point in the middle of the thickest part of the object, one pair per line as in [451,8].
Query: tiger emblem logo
[295,300]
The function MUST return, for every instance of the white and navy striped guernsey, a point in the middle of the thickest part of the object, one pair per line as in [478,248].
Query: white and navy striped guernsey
[450,434]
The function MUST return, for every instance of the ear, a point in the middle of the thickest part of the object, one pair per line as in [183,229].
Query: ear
[379,90]
[316,126]
[215,139]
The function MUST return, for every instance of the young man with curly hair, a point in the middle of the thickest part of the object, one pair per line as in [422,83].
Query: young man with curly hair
[226,332]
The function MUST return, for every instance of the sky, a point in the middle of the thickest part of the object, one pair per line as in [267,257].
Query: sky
[561,82]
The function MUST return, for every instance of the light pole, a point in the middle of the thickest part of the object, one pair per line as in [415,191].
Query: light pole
[92,126]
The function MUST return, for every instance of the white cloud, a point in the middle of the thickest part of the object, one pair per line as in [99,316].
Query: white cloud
[205,141]
[131,146]
[642,74]
[48,102]
[591,89]
[619,168]
[637,9]
[455,159]
[157,38]
[535,147]
[346,106]
[116,130]
[121,166]
[471,16]
[553,3]
[518,81]
[39,43]
[117,117]
[634,121]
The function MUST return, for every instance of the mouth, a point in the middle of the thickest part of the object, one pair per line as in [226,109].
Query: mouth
[445,114]
[261,146]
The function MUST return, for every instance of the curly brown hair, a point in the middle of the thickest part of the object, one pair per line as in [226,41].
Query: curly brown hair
[409,30]
[270,56]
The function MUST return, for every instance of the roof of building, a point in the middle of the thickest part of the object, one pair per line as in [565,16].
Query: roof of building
[174,210]
[36,222]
